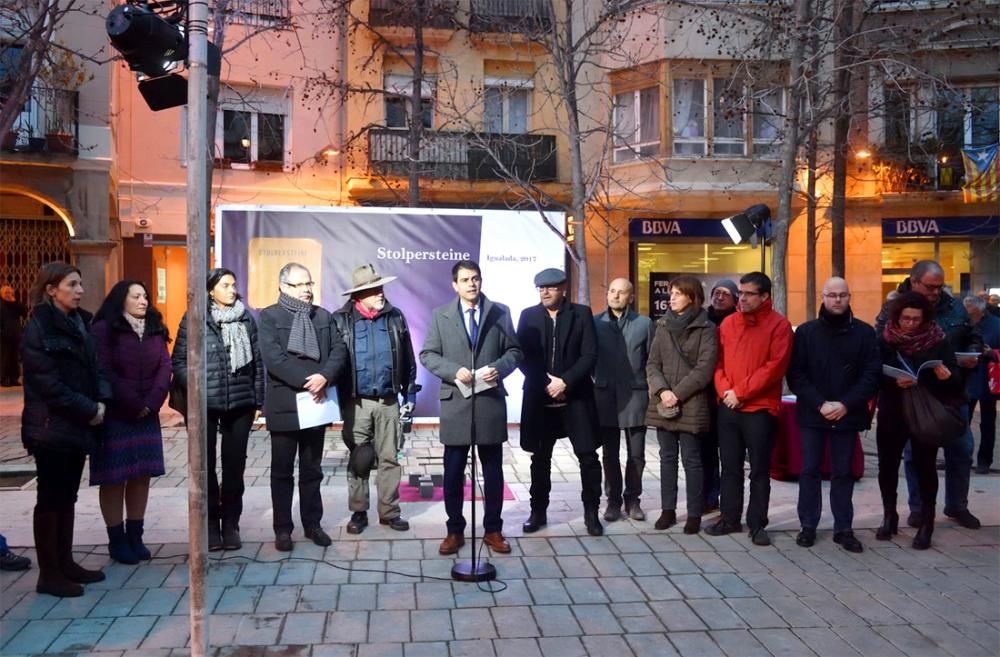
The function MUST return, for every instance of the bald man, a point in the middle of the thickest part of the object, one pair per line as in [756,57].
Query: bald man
[834,373]
[623,340]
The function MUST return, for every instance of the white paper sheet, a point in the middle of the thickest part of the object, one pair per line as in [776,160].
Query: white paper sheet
[315,414]
[480,384]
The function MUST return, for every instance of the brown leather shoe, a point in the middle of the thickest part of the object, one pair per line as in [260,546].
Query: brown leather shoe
[497,542]
[451,544]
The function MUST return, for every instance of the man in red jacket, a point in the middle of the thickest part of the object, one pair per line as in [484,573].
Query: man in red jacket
[755,346]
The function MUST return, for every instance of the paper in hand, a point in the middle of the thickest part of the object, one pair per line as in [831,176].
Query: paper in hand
[314,414]
[478,381]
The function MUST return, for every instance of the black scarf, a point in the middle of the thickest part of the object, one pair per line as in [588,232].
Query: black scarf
[302,338]
[677,323]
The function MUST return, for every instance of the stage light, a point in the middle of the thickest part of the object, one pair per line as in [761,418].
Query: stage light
[745,225]
[149,44]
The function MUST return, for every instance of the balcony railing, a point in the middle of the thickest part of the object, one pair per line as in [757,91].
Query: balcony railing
[47,123]
[465,156]
[898,172]
[524,16]
[404,13]
[258,13]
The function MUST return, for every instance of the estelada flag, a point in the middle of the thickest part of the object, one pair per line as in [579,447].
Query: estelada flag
[981,178]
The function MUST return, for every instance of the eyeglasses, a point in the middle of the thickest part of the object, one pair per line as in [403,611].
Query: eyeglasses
[842,295]
[308,285]
[747,293]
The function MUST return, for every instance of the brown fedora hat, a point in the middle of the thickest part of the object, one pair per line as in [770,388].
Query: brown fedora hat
[365,278]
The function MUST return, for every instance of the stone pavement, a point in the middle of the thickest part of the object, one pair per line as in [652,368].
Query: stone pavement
[635,591]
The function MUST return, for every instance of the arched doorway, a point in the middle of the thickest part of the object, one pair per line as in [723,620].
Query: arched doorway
[31,234]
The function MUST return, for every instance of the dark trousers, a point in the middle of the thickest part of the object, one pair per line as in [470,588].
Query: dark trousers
[10,370]
[841,480]
[227,503]
[710,477]
[309,445]
[491,459]
[58,473]
[987,428]
[541,465]
[890,442]
[672,442]
[635,448]
[752,435]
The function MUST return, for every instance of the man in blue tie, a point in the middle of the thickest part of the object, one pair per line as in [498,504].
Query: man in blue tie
[468,335]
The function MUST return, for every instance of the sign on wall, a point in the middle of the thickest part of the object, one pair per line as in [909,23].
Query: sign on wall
[981,226]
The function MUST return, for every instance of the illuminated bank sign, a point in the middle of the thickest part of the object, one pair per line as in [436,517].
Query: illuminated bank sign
[644,229]
[981,226]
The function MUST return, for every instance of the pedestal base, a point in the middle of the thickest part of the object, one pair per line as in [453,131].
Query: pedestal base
[466,571]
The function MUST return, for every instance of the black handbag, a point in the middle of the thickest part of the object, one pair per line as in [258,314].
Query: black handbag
[178,397]
[930,421]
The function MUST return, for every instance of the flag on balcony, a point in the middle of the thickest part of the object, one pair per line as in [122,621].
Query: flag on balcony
[981,176]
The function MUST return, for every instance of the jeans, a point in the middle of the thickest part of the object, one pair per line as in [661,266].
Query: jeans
[957,473]
[541,468]
[635,446]
[455,459]
[711,479]
[226,502]
[987,428]
[691,456]
[891,442]
[309,445]
[377,421]
[841,481]
[58,473]
[750,434]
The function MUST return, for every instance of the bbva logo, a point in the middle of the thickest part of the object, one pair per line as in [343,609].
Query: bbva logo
[917,226]
[660,227]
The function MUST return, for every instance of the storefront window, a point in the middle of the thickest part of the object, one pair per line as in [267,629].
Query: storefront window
[898,257]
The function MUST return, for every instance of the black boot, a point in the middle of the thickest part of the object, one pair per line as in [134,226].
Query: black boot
[535,521]
[51,579]
[590,518]
[70,568]
[118,546]
[922,540]
[133,531]
[231,534]
[890,525]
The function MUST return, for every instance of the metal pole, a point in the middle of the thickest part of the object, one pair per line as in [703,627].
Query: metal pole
[197,302]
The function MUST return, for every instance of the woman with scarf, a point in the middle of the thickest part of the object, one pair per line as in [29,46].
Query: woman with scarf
[680,368]
[132,347]
[65,397]
[911,338]
[235,392]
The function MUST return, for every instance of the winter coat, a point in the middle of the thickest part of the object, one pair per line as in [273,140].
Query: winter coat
[949,314]
[447,350]
[63,381]
[834,359]
[404,364]
[139,370]
[224,390]
[978,386]
[950,391]
[754,350]
[688,377]
[287,373]
[573,360]
[620,376]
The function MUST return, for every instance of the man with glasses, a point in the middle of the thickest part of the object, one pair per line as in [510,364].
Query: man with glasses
[927,278]
[560,351]
[303,352]
[834,373]
[755,345]
[382,369]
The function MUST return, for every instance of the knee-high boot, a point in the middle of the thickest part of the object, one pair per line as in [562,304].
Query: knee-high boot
[70,568]
[51,579]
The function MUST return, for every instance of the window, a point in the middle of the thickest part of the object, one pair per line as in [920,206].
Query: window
[967,118]
[728,118]
[768,122]
[637,124]
[258,13]
[398,89]
[252,128]
[898,120]
[506,108]
[689,116]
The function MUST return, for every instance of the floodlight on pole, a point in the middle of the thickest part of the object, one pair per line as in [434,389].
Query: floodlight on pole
[747,224]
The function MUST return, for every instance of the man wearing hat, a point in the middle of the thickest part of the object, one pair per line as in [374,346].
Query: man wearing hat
[470,334]
[722,304]
[559,344]
[303,352]
[382,368]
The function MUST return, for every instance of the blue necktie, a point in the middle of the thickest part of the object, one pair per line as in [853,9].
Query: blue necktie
[473,328]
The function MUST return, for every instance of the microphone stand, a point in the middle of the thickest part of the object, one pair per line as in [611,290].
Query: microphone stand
[474,570]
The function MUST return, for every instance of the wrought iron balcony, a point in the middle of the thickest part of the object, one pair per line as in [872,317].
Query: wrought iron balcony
[257,13]
[523,16]
[405,13]
[465,156]
[47,123]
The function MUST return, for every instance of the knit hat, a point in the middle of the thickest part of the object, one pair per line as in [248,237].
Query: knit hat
[727,284]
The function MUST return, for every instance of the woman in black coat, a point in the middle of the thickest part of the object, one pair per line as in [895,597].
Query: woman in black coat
[910,338]
[65,393]
[235,392]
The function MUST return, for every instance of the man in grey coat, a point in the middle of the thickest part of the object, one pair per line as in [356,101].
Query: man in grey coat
[467,335]
[623,340]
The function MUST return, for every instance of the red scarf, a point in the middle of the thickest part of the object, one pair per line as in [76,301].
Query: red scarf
[364,312]
[924,338]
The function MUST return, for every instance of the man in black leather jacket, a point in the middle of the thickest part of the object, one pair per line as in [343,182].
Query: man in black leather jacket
[382,369]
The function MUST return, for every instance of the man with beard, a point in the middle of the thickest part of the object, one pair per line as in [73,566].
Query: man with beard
[834,373]
[303,352]
[382,369]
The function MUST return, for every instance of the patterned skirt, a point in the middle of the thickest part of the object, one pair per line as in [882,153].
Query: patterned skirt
[128,449]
